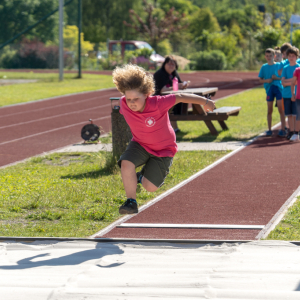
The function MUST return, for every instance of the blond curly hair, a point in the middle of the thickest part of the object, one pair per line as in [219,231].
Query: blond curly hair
[131,77]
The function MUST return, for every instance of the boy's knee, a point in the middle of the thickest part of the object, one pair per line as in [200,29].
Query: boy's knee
[127,164]
[149,186]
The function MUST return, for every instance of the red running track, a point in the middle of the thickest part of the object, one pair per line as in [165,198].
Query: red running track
[247,188]
[33,128]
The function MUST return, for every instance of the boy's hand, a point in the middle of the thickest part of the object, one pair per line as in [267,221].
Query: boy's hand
[274,76]
[210,106]
[293,98]
[269,80]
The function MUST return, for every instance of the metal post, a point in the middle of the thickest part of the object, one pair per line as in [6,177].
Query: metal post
[292,34]
[61,40]
[79,38]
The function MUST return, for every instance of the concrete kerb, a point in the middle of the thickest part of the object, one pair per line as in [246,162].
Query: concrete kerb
[127,240]
[170,191]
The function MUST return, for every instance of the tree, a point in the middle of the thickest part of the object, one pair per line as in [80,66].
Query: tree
[17,15]
[204,19]
[71,40]
[102,19]
[155,28]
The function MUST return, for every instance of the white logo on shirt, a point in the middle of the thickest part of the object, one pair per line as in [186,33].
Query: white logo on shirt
[150,122]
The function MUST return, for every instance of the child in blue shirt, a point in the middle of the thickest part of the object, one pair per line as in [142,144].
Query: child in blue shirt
[285,61]
[273,89]
[290,107]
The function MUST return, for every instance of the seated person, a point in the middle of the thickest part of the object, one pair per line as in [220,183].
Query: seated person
[163,79]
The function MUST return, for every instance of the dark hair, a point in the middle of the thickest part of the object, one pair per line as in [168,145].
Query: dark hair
[277,50]
[292,50]
[270,50]
[285,46]
[169,58]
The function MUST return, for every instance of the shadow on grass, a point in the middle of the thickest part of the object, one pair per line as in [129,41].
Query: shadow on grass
[208,137]
[109,168]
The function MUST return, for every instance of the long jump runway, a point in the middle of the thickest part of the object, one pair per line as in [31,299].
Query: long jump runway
[33,128]
[248,189]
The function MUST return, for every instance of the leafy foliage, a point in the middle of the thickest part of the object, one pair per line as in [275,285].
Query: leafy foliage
[155,28]
[208,60]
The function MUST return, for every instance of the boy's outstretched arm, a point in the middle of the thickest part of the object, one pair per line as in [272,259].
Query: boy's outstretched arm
[208,105]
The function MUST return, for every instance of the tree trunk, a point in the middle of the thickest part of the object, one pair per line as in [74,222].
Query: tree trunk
[121,134]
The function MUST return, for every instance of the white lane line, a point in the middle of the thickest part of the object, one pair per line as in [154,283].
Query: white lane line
[176,187]
[55,106]
[48,131]
[190,226]
[56,97]
[55,116]
[279,215]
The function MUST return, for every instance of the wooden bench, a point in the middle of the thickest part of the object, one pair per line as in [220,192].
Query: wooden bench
[198,114]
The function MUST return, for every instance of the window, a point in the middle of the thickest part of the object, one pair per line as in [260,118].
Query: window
[130,47]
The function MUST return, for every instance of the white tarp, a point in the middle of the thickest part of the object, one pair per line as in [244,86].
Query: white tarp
[90,270]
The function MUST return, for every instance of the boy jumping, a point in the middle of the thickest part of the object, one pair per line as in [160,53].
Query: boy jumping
[154,141]
[273,89]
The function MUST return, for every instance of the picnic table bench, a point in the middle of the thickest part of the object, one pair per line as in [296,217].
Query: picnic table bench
[198,113]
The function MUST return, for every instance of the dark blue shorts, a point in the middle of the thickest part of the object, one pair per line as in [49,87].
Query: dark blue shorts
[290,107]
[298,109]
[273,92]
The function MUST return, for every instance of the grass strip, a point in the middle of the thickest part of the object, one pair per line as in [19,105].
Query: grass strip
[288,228]
[76,194]
[251,121]
[48,85]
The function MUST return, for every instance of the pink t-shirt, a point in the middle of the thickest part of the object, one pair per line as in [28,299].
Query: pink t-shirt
[297,74]
[152,128]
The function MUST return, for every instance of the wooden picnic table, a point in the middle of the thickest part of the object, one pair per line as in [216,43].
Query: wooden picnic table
[199,114]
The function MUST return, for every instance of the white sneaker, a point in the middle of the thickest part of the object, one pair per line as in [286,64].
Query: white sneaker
[294,138]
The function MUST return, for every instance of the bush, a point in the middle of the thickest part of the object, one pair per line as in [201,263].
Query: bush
[208,60]
[164,48]
[33,54]
[8,58]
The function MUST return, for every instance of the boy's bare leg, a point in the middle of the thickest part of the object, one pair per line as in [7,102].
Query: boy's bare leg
[270,111]
[281,112]
[148,186]
[129,178]
[297,126]
[291,122]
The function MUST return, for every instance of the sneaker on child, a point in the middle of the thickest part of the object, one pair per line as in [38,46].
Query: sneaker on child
[281,133]
[294,138]
[269,133]
[129,207]
[289,135]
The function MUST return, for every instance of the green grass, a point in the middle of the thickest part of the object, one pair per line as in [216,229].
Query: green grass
[48,86]
[289,227]
[251,121]
[75,195]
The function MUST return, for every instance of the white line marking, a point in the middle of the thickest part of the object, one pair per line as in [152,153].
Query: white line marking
[55,116]
[176,187]
[52,130]
[190,226]
[279,215]
[54,106]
